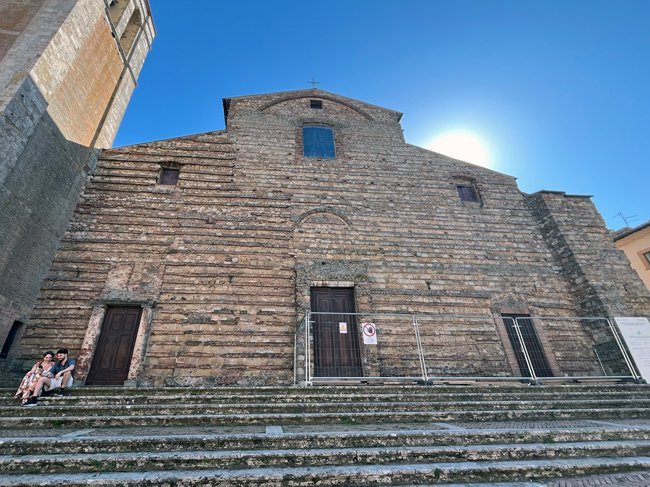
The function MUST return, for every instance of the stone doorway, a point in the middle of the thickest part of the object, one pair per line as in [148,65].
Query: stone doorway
[112,358]
[336,341]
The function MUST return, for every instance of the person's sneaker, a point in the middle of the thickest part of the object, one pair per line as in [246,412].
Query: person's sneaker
[62,392]
[32,401]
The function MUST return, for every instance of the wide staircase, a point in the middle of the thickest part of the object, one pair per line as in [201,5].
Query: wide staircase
[352,436]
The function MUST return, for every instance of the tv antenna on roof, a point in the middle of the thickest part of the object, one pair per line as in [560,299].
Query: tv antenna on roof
[313,82]
[626,219]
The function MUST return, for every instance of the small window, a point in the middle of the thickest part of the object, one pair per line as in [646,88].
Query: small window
[647,257]
[317,104]
[467,193]
[318,142]
[169,176]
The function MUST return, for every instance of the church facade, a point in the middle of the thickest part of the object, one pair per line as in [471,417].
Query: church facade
[194,260]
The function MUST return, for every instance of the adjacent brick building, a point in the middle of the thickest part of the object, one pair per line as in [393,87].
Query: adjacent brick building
[67,71]
[200,255]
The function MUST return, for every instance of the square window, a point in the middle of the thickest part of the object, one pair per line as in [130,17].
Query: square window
[318,104]
[467,193]
[168,176]
[318,142]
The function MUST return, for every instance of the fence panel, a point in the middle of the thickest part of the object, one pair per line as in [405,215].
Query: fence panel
[463,346]
[389,349]
[585,347]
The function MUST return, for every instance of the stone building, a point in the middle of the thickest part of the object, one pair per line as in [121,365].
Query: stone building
[67,71]
[635,242]
[194,259]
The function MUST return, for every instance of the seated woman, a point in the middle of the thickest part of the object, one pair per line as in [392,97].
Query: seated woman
[42,368]
[60,377]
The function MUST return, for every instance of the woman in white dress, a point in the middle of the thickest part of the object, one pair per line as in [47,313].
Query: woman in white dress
[40,369]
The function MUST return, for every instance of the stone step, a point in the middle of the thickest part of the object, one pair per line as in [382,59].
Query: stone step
[327,390]
[44,420]
[347,475]
[61,407]
[113,440]
[208,397]
[238,459]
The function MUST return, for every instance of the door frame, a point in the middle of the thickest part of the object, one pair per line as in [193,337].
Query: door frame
[134,312]
[91,339]
[352,341]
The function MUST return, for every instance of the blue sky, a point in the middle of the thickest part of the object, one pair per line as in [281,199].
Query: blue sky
[559,91]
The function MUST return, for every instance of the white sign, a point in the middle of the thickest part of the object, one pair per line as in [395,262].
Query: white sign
[343,327]
[636,333]
[369,333]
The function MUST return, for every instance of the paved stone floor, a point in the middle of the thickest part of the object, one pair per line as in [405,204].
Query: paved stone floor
[322,428]
[627,479]
[524,425]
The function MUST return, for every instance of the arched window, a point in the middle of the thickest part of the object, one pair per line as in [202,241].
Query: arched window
[116,9]
[132,28]
[318,141]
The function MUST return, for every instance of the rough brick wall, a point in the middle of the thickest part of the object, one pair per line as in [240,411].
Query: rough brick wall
[60,80]
[15,16]
[598,273]
[225,259]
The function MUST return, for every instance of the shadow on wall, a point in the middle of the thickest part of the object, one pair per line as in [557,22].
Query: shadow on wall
[41,177]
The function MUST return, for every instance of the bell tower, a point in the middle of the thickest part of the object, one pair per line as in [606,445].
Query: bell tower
[67,71]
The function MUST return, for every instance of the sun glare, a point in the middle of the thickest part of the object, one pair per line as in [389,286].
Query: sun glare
[461,145]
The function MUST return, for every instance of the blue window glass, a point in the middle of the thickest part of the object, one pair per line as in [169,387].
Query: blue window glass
[318,142]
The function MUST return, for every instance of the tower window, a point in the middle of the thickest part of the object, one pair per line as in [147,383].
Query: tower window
[168,176]
[318,141]
[466,192]
[318,104]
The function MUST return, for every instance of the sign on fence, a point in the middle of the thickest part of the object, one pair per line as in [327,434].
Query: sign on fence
[636,333]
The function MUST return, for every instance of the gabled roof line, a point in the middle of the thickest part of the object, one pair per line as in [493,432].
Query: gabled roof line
[626,232]
[306,92]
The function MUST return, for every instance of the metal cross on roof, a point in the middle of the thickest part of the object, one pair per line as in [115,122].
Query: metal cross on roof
[313,82]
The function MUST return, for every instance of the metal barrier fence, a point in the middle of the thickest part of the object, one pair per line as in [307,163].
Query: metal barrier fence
[427,348]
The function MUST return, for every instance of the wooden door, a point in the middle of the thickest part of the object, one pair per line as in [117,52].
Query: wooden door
[533,345]
[336,342]
[112,358]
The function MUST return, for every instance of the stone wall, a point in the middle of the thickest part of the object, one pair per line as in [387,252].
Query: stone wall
[598,273]
[63,90]
[223,262]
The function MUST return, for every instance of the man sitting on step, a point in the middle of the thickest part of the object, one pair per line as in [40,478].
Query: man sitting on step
[62,377]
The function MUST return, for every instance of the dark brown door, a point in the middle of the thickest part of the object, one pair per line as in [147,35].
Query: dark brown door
[336,342]
[115,348]
[533,345]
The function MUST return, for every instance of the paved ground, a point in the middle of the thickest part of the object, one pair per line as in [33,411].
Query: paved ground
[325,428]
[322,428]
[627,479]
